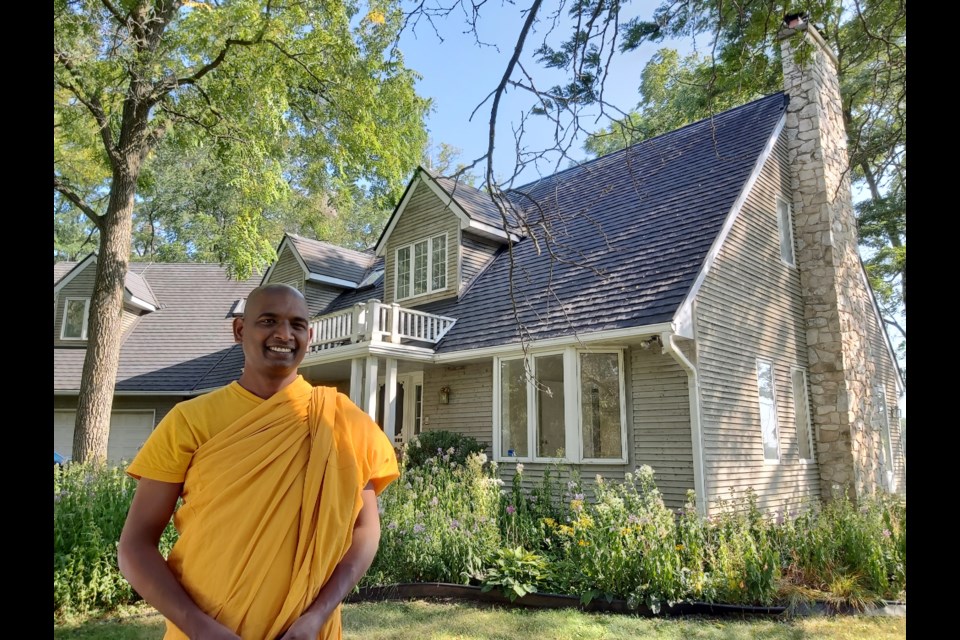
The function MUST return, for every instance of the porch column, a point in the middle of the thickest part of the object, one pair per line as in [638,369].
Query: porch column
[390,399]
[356,381]
[370,388]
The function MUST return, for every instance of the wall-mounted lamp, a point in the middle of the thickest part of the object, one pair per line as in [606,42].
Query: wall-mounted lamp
[444,395]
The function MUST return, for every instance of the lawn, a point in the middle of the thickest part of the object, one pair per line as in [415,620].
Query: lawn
[421,620]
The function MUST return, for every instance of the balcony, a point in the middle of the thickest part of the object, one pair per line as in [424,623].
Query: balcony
[374,322]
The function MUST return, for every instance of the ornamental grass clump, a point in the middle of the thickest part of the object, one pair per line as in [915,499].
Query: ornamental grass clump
[848,554]
[438,522]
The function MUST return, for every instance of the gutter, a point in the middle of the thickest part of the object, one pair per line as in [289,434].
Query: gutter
[696,432]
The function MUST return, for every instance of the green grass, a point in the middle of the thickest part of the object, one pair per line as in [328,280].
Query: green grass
[421,620]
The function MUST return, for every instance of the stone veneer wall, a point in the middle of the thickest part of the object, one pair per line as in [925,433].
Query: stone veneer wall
[837,304]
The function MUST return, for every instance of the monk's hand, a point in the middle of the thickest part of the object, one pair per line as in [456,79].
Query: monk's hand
[213,630]
[306,627]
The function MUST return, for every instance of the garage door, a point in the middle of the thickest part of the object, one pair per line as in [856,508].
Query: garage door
[128,431]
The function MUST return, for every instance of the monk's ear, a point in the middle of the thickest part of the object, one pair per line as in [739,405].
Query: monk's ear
[238,329]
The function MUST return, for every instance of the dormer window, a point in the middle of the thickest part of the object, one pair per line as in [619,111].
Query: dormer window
[75,314]
[422,267]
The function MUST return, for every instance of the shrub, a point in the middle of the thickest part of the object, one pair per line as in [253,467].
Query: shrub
[516,572]
[446,445]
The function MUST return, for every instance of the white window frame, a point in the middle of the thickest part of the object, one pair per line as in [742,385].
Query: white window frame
[86,319]
[573,449]
[806,398]
[410,247]
[776,417]
[785,228]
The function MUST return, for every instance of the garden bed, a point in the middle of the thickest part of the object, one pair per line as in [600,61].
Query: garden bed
[448,591]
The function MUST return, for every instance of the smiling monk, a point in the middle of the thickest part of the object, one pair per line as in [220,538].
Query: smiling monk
[279,482]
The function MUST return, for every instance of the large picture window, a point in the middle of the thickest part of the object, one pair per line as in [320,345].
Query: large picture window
[422,267]
[569,404]
[76,312]
[768,411]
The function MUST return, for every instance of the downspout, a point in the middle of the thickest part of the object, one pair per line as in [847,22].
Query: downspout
[696,434]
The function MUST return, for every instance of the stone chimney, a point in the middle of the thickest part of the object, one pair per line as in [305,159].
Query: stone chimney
[837,302]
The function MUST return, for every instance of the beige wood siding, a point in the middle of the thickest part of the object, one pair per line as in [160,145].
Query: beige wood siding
[287,270]
[319,296]
[475,254]
[750,307]
[127,321]
[425,216]
[886,375]
[81,286]
[159,404]
[660,412]
[470,411]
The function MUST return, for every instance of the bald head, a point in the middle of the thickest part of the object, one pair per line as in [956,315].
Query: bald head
[275,334]
[258,293]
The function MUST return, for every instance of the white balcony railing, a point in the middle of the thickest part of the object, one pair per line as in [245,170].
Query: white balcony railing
[373,321]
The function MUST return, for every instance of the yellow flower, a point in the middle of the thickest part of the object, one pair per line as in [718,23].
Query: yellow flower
[550,522]
[376,17]
[576,505]
[565,530]
[583,543]
[679,547]
[625,531]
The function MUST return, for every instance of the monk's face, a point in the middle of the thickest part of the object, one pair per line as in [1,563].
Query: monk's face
[274,331]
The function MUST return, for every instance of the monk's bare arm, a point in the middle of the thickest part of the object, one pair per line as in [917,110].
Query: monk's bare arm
[145,569]
[349,571]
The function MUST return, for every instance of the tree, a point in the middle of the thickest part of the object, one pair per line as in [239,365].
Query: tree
[263,85]
[869,37]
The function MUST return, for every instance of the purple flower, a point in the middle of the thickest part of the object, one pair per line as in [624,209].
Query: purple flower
[454,524]
[886,533]
[578,496]
[434,502]
[392,526]
[418,528]
[632,519]
[511,510]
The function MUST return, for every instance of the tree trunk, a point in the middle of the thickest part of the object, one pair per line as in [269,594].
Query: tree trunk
[92,428]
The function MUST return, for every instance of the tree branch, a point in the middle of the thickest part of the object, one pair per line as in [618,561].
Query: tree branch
[79,202]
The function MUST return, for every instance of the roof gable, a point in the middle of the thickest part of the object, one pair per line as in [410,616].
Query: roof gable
[630,232]
[325,262]
[472,207]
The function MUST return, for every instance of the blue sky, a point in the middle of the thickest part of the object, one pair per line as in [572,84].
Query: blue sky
[458,74]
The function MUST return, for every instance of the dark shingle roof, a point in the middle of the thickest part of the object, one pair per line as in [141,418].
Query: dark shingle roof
[181,347]
[332,261]
[474,202]
[630,233]
[139,287]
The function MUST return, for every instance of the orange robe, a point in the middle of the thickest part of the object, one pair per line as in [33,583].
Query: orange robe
[270,502]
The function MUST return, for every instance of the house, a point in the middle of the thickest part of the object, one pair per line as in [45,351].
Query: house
[695,303]
[177,343]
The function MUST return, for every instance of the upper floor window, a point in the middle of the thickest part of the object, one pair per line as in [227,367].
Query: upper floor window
[75,314]
[561,405]
[785,223]
[768,411]
[422,267]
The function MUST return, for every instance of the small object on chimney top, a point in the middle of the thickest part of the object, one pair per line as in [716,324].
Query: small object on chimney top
[793,20]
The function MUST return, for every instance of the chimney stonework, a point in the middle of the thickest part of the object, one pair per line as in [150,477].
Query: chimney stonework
[837,302]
